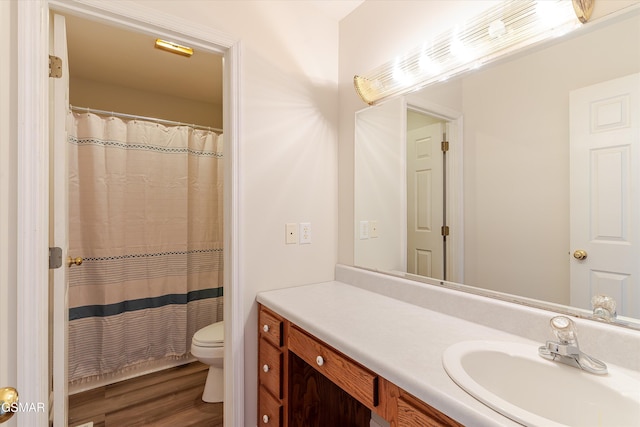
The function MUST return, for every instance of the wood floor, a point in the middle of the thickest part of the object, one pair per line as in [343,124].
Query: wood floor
[168,398]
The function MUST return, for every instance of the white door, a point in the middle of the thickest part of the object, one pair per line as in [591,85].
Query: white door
[425,214]
[605,199]
[59,97]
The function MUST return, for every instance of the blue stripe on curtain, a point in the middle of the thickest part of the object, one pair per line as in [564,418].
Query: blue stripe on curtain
[141,304]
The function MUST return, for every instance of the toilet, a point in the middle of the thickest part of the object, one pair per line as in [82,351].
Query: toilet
[207,346]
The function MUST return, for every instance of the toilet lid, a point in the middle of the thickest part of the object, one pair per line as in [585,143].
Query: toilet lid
[210,336]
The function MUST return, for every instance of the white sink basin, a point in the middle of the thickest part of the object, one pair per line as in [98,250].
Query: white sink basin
[512,379]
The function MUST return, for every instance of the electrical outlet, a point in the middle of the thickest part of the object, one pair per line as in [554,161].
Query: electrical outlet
[291,233]
[305,233]
[373,229]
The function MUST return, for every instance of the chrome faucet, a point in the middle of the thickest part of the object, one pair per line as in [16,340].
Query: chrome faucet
[604,307]
[566,349]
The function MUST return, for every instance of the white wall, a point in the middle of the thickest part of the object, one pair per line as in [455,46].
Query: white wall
[399,26]
[380,189]
[288,146]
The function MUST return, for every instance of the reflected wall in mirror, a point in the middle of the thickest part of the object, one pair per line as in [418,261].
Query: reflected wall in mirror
[510,199]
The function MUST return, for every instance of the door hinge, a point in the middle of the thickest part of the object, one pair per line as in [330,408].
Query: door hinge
[444,230]
[445,146]
[55,67]
[55,258]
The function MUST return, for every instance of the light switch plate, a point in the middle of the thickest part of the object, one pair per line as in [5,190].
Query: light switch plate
[364,230]
[291,233]
[373,229]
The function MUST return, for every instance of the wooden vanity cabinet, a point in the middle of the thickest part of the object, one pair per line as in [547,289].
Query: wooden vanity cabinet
[303,382]
[271,369]
[412,412]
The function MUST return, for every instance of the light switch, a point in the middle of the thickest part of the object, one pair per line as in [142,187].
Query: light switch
[364,230]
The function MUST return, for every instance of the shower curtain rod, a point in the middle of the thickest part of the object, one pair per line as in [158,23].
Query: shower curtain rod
[150,119]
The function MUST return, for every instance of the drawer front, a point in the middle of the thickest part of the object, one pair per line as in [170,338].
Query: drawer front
[270,368]
[269,410]
[342,371]
[270,327]
[418,414]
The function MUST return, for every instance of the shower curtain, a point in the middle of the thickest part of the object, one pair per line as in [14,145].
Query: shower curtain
[145,206]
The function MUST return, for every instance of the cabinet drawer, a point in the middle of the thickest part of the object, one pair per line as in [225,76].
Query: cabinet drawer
[270,368]
[270,327]
[342,371]
[269,410]
[414,413]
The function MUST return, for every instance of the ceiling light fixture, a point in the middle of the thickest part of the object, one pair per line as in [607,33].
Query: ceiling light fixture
[174,48]
[511,25]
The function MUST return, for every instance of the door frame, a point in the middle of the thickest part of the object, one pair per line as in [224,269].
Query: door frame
[33,198]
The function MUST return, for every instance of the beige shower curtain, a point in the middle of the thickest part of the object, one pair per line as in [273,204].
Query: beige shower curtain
[145,206]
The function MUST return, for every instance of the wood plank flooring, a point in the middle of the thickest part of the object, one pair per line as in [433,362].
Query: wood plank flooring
[172,397]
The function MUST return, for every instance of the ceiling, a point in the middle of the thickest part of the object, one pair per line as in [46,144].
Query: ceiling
[337,9]
[113,55]
[116,56]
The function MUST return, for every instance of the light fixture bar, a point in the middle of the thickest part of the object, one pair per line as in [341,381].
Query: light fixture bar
[174,47]
[511,25]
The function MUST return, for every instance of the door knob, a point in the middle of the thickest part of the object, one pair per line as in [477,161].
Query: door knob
[74,261]
[8,399]
[580,254]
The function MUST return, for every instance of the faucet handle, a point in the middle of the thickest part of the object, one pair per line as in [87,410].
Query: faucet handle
[604,307]
[564,329]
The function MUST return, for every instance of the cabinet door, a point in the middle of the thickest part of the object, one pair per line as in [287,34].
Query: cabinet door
[270,327]
[270,368]
[358,381]
[414,413]
[269,410]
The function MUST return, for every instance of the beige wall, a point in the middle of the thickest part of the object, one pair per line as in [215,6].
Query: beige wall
[108,97]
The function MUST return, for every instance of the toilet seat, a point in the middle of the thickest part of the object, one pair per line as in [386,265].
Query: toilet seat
[210,336]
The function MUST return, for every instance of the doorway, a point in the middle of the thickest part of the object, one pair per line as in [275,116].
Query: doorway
[442,148]
[213,43]
[145,202]
[426,195]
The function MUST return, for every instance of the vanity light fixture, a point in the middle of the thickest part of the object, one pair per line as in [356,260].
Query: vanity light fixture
[511,25]
[174,47]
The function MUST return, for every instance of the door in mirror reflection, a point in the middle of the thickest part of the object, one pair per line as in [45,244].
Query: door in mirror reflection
[605,165]
[425,195]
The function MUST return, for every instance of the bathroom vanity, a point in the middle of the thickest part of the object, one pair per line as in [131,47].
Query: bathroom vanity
[333,353]
[303,381]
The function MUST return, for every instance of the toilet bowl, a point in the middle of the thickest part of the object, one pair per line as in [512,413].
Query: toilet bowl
[207,346]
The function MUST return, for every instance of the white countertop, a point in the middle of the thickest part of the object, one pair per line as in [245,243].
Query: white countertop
[399,341]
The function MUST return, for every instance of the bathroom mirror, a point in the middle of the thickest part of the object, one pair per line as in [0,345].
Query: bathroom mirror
[506,178]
